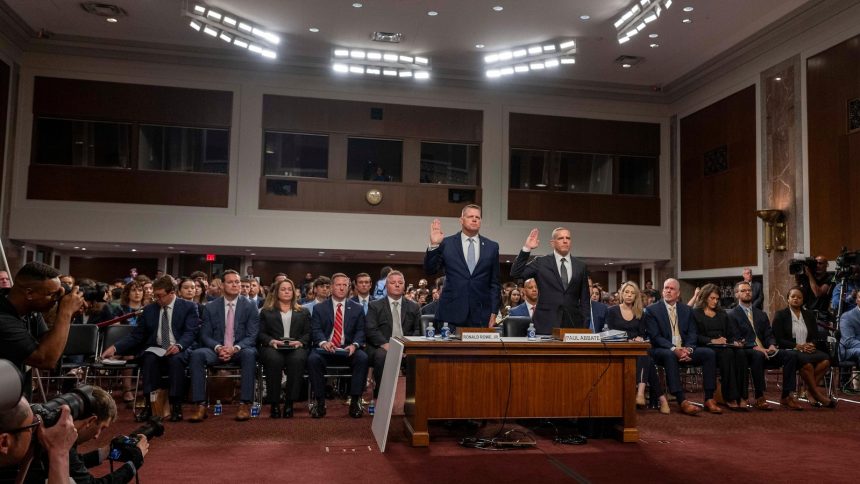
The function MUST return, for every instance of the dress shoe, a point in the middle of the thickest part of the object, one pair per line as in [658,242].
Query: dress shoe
[318,410]
[175,412]
[761,404]
[712,407]
[833,403]
[288,410]
[743,405]
[689,408]
[790,403]
[199,415]
[244,412]
[664,407]
[275,411]
[355,408]
[144,415]
[733,406]
[640,400]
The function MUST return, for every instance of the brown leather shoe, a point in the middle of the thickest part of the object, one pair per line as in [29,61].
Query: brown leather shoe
[244,412]
[761,404]
[790,403]
[688,408]
[712,407]
[199,415]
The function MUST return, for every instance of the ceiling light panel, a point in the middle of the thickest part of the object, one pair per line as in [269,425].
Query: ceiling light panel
[524,59]
[638,16]
[241,33]
[377,63]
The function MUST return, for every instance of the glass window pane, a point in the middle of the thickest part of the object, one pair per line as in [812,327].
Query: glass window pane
[292,154]
[450,164]
[172,148]
[374,159]
[81,143]
[637,175]
[582,172]
[529,169]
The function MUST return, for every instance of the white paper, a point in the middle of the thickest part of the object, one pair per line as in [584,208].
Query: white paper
[157,350]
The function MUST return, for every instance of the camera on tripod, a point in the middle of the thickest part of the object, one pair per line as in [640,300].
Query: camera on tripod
[124,447]
[79,400]
[796,266]
[847,265]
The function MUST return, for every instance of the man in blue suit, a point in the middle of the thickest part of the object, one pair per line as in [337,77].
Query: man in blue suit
[672,330]
[228,334]
[337,330]
[170,324]
[529,306]
[471,293]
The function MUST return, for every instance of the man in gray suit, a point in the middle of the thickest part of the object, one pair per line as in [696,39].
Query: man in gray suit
[228,334]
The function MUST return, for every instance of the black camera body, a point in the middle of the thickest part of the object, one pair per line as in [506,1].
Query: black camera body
[91,294]
[79,400]
[848,266]
[796,266]
[124,447]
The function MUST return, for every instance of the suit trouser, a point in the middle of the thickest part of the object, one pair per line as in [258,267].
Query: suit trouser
[703,357]
[733,372]
[153,368]
[645,370]
[758,363]
[318,361]
[203,357]
[292,362]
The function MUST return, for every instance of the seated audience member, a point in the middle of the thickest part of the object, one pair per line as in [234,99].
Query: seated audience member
[849,325]
[389,317]
[245,288]
[214,289]
[255,293]
[5,280]
[363,285]
[19,426]
[597,314]
[147,289]
[796,328]
[379,289]
[751,329]
[130,301]
[132,275]
[281,277]
[757,292]
[430,308]
[337,331]
[284,338]
[321,292]
[200,294]
[170,324]
[627,316]
[712,325]
[672,329]
[513,299]
[530,299]
[228,334]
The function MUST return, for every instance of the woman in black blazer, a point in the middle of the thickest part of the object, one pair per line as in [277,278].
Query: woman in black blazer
[794,329]
[282,349]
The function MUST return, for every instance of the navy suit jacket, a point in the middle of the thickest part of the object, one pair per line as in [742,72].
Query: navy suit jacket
[656,319]
[467,298]
[598,310]
[184,323]
[521,310]
[322,323]
[739,327]
[246,323]
[380,322]
[555,304]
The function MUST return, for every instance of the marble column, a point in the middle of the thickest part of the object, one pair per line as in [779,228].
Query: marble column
[782,172]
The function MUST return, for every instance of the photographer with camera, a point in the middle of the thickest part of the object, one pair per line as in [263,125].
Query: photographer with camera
[25,336]
[815,281]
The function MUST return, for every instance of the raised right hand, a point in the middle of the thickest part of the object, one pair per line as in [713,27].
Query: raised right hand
[532,241]
[436,234]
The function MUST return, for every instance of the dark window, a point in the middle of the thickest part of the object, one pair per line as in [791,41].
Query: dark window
[530,169]
[171,148]
[637,175]
[450,164]
[374,159]
[81,143]
[582,172]
[292,154]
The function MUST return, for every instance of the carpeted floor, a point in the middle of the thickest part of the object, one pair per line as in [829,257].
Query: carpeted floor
[815,445]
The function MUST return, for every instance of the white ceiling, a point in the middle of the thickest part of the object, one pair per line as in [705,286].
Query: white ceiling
[448,39]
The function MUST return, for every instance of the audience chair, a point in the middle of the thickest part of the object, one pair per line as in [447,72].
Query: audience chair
[113,373]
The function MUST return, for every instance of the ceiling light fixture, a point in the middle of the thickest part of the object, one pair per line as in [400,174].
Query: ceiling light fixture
[432,13]
[653,36]
[233,30]
[637,17]
[111,20]
[687,21]
[313,29]
[479,46]
[521,60]
[357,5]
[585,17]
[654,46]
[688,9]
[498,8]
[374,63]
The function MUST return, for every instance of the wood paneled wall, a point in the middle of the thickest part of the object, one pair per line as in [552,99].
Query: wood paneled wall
[106,269]
[583,207]
[832,79]
[718,221]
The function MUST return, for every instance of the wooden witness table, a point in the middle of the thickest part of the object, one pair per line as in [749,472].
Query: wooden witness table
[548,379]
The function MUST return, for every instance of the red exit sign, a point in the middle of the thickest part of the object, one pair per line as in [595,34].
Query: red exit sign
[210,257]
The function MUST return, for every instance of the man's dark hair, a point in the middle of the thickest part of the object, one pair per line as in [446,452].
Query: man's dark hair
[104,406]
[362,274]
[36,272]
[230,271]
[164,282]
[322,281]
[247,279]
[196,274]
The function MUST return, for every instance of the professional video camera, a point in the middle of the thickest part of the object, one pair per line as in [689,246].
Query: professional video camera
[124,447]
[91,294]
[796,266]
[846,265]
[79,400]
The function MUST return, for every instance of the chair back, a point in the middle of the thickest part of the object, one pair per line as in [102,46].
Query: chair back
[426,319]
[115,333]
[516,326]
[83,340]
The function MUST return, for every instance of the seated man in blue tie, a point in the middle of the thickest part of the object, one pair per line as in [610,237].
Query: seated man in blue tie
[530,293]
[171,323]
[337,332]
[363,284]
[228,334]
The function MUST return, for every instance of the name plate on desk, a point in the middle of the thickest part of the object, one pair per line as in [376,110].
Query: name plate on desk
[581,338]
[479,336]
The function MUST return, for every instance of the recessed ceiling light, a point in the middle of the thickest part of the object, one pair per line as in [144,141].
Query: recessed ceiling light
[498,8]
[479,46]
[357,5]
[654,46]
[76,247]
[653,36]
[584,17]
[432,13]
[777,78]
[688,9]
[687,21]
[111,20]
[134,250]
[83,248]
[313,29]
[626,66]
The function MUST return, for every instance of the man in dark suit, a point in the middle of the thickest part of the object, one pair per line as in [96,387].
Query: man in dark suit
[228,334]
[751,327]
[471,293]
[337,330]
[757,292]
[390,316]
[597,316]
[562,282]
[673,337]
[363,296]
[529,306]
[170,324]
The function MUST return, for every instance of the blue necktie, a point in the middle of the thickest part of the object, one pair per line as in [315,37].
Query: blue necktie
[470,255]
[364,306]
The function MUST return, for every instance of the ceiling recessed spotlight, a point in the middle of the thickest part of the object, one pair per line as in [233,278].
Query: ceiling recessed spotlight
[687,21]
[134,250]
[498,8]
[653,36]
[688,9]
[585,17]
[627,66]
[76,247]
[777,78]
[654,46]
[313,29]
[111,20]
[357,5]
[83,248]
[479,46]
[432,13]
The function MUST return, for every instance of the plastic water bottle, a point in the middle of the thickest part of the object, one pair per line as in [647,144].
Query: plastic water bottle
[531,333]
[218,408]
[255,410]
[431,331]
[371,409]
[605,327]
[446,331]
